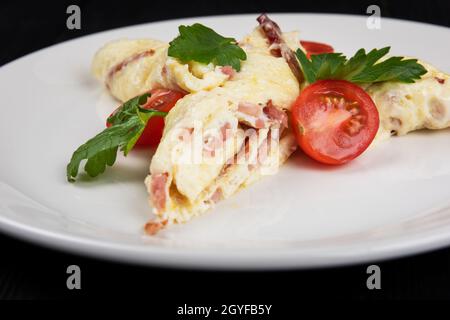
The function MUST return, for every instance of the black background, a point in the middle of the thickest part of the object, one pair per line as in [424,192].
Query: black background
[31,272]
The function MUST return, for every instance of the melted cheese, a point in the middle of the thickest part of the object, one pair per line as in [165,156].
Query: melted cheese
[212,104]
[195,77]
[137,71]
[263,77]
[405,107]
[136,75]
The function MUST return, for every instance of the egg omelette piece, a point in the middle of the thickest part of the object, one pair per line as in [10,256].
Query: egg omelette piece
[129,68]
[218,141]
[228,105]
[406,107]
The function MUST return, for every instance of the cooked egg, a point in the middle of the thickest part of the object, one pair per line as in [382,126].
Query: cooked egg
[405,107]
[262,78]
[204,130]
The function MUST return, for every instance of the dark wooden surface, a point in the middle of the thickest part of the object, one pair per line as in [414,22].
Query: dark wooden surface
[31,272]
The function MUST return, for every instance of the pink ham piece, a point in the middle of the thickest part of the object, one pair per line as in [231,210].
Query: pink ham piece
[261,114]
[212,143]
[158,190]
[229,71]
[254,111]
[118,67]
[275,114]
[273,33]
[225,130]
[259,123]
[250,109]
[216,196]
[441,81]
[152,227]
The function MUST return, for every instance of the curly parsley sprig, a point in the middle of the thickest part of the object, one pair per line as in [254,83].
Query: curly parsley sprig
[127,125]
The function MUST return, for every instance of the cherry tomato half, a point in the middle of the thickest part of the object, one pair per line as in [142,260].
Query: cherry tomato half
[162,100]
[334,121]
[312,47]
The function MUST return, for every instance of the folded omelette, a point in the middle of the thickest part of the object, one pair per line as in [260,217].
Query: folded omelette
[232,127]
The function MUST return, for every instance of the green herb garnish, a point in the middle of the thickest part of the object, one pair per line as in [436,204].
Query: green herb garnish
[361,68]
[202,44]
[127,125]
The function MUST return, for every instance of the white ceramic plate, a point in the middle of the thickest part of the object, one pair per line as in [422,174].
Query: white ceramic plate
[392,201]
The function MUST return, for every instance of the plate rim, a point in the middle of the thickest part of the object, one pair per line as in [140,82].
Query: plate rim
[211,259]
[208,258]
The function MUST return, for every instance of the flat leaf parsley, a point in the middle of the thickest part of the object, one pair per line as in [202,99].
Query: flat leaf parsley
[127,125]
[361,68]
[202,44]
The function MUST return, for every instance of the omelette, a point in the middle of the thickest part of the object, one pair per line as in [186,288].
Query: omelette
[232,127]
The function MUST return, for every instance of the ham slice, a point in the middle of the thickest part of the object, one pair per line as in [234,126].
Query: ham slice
[229,71]
[273,33]
[250,109]
[275,114]
[118,67]
[158,194]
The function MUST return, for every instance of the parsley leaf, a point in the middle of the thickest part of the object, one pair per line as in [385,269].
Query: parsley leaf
[392,69]
[321,66]
[202,44]
[127,125]
[361,68]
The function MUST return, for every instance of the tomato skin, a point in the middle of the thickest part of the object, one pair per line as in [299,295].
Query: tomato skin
[312,48]
[162,100]
[334,121]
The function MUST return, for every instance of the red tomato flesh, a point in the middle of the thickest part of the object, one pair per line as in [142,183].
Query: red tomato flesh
[312,47]
[162,100]
[334,121]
